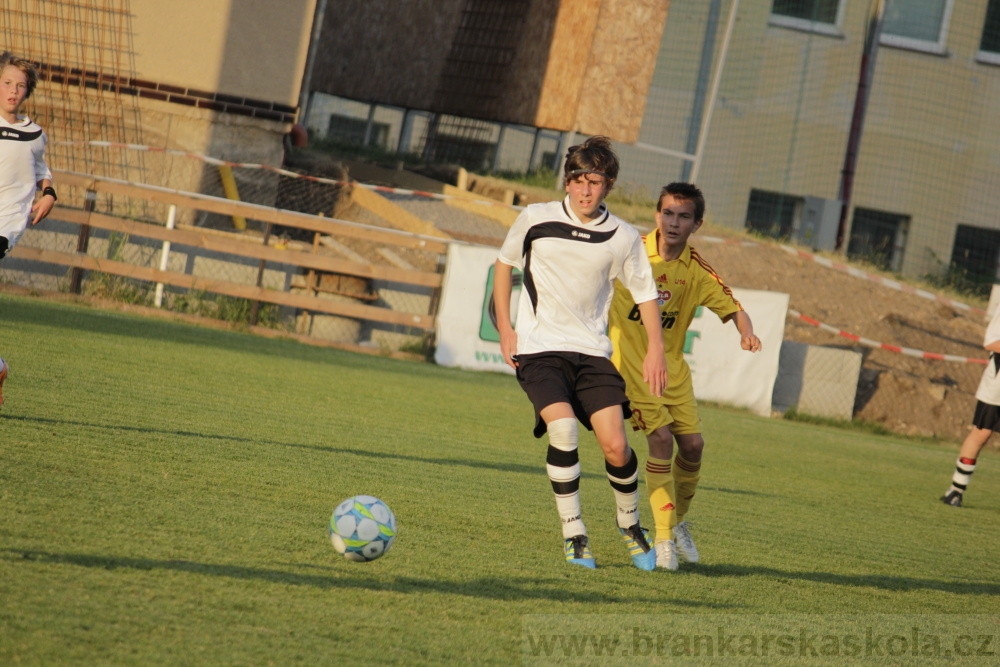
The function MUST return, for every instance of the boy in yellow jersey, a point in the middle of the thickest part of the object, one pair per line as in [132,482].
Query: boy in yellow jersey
[684,281]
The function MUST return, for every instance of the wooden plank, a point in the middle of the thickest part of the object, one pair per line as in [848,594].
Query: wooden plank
[237,244]
[331,226]
[72,179]
[393,213]
[305,302]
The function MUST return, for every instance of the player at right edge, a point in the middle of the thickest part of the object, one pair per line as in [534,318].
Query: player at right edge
[684,281]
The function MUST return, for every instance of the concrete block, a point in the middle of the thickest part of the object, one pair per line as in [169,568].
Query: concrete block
[815,380]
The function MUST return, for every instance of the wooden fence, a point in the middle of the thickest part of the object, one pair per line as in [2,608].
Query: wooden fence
[243,245]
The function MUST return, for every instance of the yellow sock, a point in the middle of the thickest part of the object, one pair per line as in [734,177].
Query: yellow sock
[660,485]
[686,475]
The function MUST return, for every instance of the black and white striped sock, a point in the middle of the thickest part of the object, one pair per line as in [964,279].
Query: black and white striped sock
[562,463]
[964,468]
[625,482]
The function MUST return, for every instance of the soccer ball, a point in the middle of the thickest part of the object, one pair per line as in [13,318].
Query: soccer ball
[362,528]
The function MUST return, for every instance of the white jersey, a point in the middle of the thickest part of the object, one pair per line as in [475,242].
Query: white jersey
[569,272]
[22,165]
[989,385]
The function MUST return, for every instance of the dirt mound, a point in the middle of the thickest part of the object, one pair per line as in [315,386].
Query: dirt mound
[905,394]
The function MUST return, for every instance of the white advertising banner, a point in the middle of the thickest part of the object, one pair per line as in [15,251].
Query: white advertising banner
[722,372]
[466,336]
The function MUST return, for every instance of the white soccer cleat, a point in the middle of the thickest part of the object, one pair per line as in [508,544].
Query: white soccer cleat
[666,555]
[686,549]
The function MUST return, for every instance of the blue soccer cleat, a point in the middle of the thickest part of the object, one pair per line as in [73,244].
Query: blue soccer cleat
[578,553]
[637,540]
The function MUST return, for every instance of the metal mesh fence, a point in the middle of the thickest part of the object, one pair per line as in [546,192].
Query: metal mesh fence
[782,111]
[813,108]
[860,130]
[82,102]
[788,112]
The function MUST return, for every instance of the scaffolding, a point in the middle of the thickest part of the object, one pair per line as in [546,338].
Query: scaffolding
[85,59]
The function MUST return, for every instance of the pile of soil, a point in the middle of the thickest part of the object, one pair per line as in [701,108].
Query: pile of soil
[905,394]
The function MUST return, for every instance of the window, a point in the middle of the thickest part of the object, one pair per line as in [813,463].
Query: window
[813,15]
[974,258]
[916,24]
[989,46]
[772,213]
[878,238]
[350,130]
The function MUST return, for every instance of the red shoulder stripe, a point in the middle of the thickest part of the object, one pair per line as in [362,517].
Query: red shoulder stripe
[708,267]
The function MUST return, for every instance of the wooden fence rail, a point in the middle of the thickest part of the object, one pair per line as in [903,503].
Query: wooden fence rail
[240,245]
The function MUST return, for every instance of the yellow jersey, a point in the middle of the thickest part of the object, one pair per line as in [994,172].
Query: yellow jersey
[682,285]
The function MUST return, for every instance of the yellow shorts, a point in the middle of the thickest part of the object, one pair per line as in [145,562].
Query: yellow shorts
[650,416]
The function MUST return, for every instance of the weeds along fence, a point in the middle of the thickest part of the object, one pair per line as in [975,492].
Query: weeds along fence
[201,254]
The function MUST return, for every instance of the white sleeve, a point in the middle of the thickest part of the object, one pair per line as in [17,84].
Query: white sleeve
[637,274]
[41,169]
[512,250]
[993,330]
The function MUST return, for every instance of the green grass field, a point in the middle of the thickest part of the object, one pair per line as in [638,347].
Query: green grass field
[165,490]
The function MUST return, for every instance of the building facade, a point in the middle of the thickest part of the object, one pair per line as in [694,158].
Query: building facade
[759,102]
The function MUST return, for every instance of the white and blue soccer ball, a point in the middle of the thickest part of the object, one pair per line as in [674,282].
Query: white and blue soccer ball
[362,528]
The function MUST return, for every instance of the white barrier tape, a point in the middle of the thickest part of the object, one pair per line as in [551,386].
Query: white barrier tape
[885,282]
[718,239]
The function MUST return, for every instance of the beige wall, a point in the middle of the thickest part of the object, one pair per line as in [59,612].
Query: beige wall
[246,48]
[930,149]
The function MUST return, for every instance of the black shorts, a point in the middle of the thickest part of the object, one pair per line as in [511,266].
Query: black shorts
[4,246]
[987,416]
[586,382]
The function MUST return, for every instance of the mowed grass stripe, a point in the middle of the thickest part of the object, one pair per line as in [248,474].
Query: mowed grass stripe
[166,490]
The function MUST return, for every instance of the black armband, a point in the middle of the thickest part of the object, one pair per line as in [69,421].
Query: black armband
[51,191]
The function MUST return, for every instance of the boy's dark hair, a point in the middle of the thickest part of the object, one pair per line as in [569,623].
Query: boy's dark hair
[8,58]
[687,192]
[593,156]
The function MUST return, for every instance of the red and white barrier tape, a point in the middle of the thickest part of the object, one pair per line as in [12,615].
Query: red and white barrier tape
[284,172]
[885,282]
[867,342]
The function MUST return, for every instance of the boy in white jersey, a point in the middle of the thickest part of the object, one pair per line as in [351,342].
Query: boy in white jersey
[684,282]
[22,161]
[570,253]
[985,420]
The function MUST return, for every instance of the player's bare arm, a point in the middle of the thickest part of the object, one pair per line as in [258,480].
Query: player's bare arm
[44,203]
[654,366]
[748,341]
[502,281]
